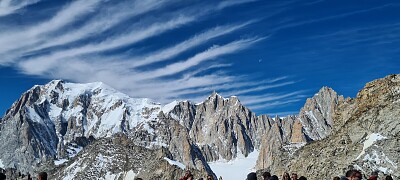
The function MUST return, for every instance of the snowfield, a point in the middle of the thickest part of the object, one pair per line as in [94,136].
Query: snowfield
[237,168]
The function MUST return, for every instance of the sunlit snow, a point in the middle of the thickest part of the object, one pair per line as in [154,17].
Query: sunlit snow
[370,140]
[172,162]
[169,107]
[237,168]
[1,164]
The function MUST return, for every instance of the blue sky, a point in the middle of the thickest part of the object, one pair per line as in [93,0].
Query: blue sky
[271,54]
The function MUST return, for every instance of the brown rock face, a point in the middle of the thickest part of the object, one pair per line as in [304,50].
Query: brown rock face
[367,138]
[119,158]
[281,140]
[297,133]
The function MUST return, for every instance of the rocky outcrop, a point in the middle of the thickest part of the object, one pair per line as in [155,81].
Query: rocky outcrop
[26,139]
[283,137]
[367,138]
[119,158]
[286,135]
[316,114]
[170,134]
[223,128]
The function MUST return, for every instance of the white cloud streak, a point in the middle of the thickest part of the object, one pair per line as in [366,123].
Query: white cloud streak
[223,89]
[18,39]
[316,20]
[209,54]
[229,3]
[186,45]
[102,22]
[8,7]
[49,61]
[60,47]
[254,100]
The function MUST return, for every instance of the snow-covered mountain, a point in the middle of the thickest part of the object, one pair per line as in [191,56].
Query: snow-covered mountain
[52,123]
[57,119]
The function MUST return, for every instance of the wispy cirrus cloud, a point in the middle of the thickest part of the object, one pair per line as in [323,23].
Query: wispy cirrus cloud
[11,6]
[48,61]
[212,53]
[88,41]
[255,100]
[15,40]
[102,22]
[297,23]
[194,41]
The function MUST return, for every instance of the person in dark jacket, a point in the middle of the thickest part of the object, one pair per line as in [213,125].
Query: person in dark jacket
[3,176]
[252,176]
[302,178]
[42,176]
[266,175]
[274,177]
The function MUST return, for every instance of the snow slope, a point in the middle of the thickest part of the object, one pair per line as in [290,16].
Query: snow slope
[237,168]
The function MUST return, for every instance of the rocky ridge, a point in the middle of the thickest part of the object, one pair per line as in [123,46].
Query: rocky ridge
[52,123]
[366,136]
[59,121]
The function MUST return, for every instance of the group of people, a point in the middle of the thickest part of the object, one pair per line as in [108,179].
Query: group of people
[41,176]
[268,176]
[350,175]
[189,176]
[356,175]
[251,176]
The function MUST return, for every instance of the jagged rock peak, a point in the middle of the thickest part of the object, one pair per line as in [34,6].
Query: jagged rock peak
[316,114]
[215,96]
[234,100]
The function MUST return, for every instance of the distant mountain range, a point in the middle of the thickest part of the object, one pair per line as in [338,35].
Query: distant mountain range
[91,131]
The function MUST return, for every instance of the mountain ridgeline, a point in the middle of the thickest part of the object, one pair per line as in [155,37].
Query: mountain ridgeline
[91,131]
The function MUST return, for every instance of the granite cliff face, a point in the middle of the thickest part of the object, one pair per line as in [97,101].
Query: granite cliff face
[224,128]
[316,114]
[366,136]
[284,136]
